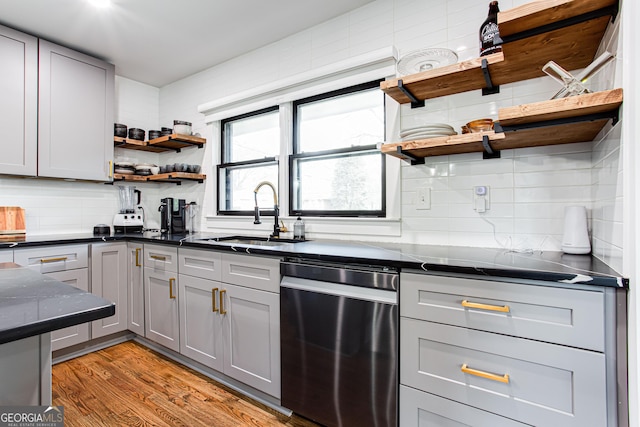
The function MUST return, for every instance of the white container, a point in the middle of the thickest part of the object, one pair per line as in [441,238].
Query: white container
[576,233]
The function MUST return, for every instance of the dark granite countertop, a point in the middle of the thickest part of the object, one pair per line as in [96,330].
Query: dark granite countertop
[32,304]
[546,266]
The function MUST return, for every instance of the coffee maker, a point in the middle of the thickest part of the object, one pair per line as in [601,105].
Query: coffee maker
[172,216]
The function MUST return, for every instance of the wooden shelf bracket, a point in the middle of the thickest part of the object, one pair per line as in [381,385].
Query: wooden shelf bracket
[410,158]
[607,115]
[490,89]
[415,103]
[605,11]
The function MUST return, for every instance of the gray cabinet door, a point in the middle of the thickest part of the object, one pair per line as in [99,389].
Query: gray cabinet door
[18,102]
[135,284]
[75,114]
[200,321]
[251,320]
[77,334]
[161,315]
[529,381]
[109,280]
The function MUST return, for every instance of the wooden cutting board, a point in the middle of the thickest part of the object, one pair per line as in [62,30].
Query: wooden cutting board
[12,220]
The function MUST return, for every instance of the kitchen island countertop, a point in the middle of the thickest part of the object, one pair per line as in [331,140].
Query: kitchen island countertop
[33,304]
[547,266]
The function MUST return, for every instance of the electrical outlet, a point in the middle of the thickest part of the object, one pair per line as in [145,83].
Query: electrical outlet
[481,198]
[423,201]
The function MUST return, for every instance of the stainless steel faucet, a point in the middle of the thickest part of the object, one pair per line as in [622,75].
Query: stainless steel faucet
[276,226]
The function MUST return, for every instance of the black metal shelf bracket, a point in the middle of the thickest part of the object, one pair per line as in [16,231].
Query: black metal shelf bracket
[490,89]
[408,157]
[489,152]
[415,102]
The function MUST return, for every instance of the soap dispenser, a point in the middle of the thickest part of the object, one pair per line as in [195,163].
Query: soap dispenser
[298,229]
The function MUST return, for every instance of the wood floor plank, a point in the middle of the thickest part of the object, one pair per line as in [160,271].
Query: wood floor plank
[131,385]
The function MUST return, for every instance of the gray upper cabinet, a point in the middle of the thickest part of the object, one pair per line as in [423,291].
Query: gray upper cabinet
[19,102]
[75,134]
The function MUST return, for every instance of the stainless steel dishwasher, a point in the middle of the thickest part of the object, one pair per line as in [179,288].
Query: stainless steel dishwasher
[339,342]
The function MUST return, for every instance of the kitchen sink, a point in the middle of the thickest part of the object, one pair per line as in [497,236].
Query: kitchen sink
[252,240]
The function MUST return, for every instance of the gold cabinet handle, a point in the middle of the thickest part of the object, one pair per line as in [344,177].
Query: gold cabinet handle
[138,257]
[158,257]
[213,300]
[500,308]
[46,260]
[493,377]
[110,169]
[222,310]
[171,282]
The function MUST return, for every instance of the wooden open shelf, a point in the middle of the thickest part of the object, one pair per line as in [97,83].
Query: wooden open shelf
[533,34]
[558,121]
[173,177]
[174,142]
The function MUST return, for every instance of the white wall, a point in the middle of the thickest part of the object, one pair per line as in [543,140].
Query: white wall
[529,188]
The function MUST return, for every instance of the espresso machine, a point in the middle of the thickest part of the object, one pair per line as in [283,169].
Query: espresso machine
[129,218]
[172,216]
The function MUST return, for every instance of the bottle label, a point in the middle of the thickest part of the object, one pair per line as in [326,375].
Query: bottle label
[489,31]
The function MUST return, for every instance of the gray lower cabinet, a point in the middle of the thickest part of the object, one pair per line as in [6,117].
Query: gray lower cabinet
[492,353]
[6,256]
[69,264]
[19,102]
[161,308]
[161,315]
[77,334]
[109,280]
[135,288]
[232,328]
[421,409]
[25,372]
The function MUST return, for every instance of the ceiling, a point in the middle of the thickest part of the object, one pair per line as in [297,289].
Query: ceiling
[158,42]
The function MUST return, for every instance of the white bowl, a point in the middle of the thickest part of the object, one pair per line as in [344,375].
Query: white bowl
[154,170]
[182,129]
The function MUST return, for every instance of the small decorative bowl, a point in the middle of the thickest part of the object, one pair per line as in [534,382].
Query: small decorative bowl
[194,168]
[480,125]
[137,134]
[168,168]
[153,134]
[180,167]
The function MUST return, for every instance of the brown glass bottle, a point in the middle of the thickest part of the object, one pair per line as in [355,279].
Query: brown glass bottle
[489,34]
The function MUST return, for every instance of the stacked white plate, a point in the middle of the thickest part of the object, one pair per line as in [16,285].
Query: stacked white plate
[431,130]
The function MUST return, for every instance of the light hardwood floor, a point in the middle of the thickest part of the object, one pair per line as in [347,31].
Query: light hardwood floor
[131,385]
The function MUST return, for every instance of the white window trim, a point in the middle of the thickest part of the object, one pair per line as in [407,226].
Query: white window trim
[361,69]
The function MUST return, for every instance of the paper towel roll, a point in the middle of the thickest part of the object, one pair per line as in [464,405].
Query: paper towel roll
[576,233]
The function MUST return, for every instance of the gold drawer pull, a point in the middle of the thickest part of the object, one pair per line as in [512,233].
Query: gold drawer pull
[138,257]
[171,295]
[500,308]
[213,300]
[222,310]
[158,257]
[493,377]
[46,260]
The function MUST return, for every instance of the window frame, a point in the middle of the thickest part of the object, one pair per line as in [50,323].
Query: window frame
[339,152]
[228,166]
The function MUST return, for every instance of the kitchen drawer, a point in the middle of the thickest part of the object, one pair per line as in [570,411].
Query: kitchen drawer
[47,259]
[199,263]
[547,384]
[161,258]
[251,271]
[420,409]
[564,316]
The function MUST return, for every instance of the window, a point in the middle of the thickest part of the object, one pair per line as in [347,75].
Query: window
[250,146]
[336,168]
